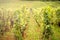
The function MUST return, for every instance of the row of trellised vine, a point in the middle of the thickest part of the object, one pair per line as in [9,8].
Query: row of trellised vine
[18,20]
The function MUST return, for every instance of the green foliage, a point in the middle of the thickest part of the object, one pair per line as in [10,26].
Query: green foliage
[58,13]
[17,27]
[58,17]
[30,21]
[47,27]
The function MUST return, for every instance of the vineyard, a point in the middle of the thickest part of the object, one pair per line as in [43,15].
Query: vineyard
[30,23]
